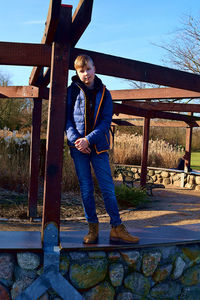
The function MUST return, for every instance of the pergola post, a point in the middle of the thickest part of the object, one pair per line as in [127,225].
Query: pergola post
[188,147]
[112,137]
[34,159]
[55,129]
[145,151]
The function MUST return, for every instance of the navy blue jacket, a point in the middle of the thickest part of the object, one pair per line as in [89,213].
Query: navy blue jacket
[76,127]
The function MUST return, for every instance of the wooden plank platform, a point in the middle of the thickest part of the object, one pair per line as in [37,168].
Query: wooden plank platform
[72,240]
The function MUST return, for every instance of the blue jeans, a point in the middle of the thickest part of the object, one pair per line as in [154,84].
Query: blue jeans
[101,166]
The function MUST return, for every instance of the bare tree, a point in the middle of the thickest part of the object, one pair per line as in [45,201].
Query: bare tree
[184,49]
[182,52]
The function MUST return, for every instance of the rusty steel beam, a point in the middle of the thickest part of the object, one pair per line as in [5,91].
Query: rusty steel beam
[80,20]
[130,110]
[145,148]
[55,131]
[50,29]
[34,159]
[136,70]
[121,122]
[23,92]
[188,147]
[153,93]
[55,138]
[154,123]
[60,37]
[178,107]
[25,54]
[138,121]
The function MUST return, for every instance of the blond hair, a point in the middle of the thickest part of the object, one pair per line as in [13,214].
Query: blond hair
[82,61]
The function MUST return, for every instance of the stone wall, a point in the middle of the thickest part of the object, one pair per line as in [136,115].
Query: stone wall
[160,176]
[161,272]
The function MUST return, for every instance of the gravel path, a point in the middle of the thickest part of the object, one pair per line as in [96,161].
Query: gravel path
[170,206]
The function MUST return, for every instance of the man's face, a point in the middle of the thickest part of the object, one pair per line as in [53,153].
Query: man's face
[87,74]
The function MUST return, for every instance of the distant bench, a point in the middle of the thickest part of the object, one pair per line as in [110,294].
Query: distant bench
[130,180]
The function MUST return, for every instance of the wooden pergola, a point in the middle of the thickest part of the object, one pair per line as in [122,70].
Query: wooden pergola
[57,52]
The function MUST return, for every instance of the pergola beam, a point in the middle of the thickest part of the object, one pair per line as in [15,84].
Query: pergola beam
[178,107]
[153,93]
[130,110]
[49,32]
[25,54]
[23,92]
[80,20]
[136,70]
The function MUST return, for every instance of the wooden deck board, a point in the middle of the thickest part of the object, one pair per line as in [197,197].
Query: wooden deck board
[72,240]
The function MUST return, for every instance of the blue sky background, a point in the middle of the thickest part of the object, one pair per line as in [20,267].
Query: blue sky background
[126,28]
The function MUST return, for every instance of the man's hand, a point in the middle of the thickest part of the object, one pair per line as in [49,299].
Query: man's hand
[82,145]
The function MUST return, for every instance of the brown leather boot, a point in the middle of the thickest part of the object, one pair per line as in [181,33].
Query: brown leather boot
[92,236]
[120,234]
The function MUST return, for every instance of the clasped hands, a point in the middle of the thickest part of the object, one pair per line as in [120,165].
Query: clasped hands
[82,145]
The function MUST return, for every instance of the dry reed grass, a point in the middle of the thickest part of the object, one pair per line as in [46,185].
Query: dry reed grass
[128,149]
[15,151]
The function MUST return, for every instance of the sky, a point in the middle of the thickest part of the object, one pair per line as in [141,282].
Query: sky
[127,28]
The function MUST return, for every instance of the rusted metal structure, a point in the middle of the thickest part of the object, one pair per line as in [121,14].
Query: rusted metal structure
[57,53]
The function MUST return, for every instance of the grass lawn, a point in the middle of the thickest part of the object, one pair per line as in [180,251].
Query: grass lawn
[195,160]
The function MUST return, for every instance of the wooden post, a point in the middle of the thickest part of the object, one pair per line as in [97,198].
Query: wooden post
[34,159]
[56,123]
[112,137]
[188,146]
[145,151]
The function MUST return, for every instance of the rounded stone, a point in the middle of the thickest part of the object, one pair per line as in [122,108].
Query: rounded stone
[130,257]
[96,254]
[102,291]
[190,293]
[134,170]
[151,172]
[191,179]
[166,181]
[4,293]
[192,253]
[179,266]
[125,296]
[64,264]
[6,267]
[21,274]
[150,262]
[159,180]
[162,273]
[19,286]
[197,187]
[76,255]
[114,256]
[85,274]
[177,177]
[165,174]
[28,260]
[116,274]
[137,283]
[171,289]
[197,180]
[189,186]
[154,177]
[137,176]
[169,253]
[191,276]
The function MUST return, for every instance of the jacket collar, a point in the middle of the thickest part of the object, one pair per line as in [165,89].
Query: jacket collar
[97,83]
